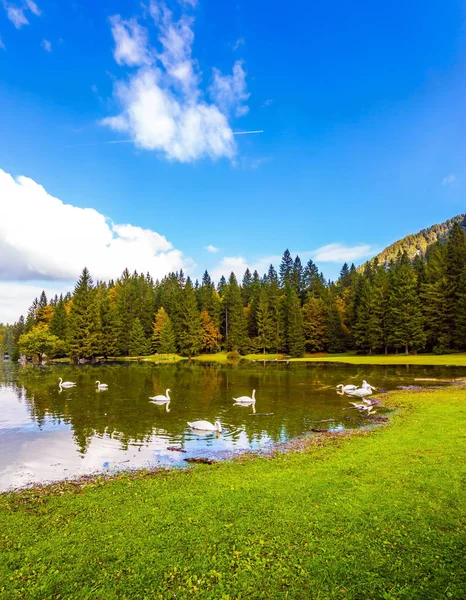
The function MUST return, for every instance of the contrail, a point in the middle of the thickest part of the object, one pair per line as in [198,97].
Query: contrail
[131,141]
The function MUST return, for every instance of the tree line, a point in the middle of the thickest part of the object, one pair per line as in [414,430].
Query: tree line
[407,305]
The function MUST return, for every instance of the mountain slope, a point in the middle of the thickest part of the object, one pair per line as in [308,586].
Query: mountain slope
[418,243]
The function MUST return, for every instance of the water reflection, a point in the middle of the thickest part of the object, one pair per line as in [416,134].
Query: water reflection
[49,434]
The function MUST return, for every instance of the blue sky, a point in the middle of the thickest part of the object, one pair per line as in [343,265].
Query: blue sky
[361,107]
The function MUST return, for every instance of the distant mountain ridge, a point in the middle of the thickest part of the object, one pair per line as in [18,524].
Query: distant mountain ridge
[417,244]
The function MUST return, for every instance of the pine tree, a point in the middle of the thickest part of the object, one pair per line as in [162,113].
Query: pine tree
[360,330]
[404,307]
[78,325]
[294,323]
[138,345]
[275,298]
[314,324]
[167,339]
[460,313]
[59,320]
[161,319]
[190,333]
[265,324]
[236,337]
[286,268]
[297,277]
[378,311]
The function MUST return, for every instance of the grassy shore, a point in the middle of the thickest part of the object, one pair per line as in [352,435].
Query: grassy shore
[452,360]
[377,514]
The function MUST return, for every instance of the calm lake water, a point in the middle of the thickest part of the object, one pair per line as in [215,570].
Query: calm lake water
[47,435]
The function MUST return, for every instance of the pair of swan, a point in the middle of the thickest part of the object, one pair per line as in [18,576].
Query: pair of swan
[352,390]
[241,401]
[70,384]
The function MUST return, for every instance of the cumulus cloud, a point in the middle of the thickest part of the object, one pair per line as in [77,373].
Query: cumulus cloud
[16,297]
[229,91]
[16,11]
[2,45]
[47,46]
[42,238]
[162,105]
[211,248]
[340,253]
[131,42]
[449,179]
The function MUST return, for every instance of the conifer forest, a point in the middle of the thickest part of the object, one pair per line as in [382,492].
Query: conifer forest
[407,305]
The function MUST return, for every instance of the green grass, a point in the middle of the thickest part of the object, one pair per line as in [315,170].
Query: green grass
[389,359]
[452,360]
[372,515]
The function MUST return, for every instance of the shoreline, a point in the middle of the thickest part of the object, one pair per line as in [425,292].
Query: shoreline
[421,360]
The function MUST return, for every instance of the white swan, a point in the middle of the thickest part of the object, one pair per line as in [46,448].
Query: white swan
[361,392]
[161,399]
[367,408]
[367,385]
[246,400]
[65,384]
[101,386]
[206,426]
[347,388]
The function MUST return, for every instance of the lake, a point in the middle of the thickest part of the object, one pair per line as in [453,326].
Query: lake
[48,435]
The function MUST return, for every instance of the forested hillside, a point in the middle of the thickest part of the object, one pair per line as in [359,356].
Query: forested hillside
[404,305]
[417,244]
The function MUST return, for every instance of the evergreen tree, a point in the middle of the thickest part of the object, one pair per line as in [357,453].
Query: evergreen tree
[265,324]
[404,307]
[161,319]
[314,324]
[79,322]
[294,323]
[167,339]
[460,313]
[138,345]
[378,310]
[286,268]
[59,320]
[235,319]
[297,277]
[190,333]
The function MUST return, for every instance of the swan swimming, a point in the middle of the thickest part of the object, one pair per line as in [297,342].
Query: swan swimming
[246,400]
[347,388]
[161,399]
[361,392]
[66,384]
[206,426]
[101,386]
[367,385]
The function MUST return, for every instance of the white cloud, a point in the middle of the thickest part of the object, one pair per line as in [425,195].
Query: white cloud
[16,296]
[228,264]
[16,11]
[267,102]
[340,253]
[41,238]
[211,248]
[449,179]
[47,46]
[229,91]
[161,104]
[2,45]
[239,42]
[33,7]
[131,41]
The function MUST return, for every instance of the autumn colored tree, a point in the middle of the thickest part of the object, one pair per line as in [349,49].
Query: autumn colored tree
[211,336]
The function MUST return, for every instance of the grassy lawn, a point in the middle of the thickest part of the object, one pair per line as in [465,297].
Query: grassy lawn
[451,360]
[373,515]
